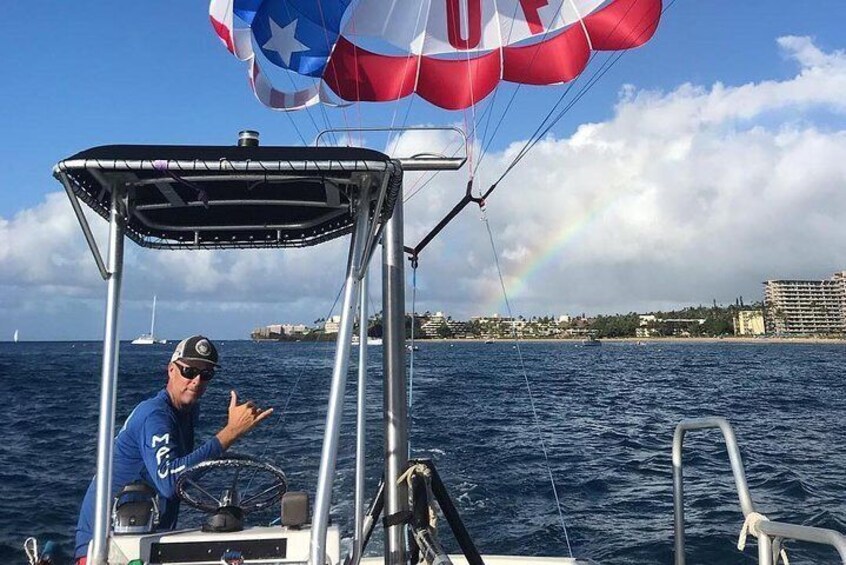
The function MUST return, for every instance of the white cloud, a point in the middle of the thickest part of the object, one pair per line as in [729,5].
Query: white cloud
[41,247]
[684,195]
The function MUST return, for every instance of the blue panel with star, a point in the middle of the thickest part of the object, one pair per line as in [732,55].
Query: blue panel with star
[295,34]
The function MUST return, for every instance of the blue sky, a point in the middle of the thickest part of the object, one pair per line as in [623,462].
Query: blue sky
[88,73]
[82,74]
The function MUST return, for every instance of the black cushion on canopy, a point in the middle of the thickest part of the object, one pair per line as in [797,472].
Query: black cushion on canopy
[232,196]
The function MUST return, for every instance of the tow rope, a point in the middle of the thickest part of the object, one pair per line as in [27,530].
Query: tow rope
[31,549]
[752,526]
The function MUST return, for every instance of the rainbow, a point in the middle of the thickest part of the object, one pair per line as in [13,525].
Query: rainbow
[535,263]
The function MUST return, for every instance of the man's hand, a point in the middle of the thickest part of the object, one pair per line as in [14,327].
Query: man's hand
[242,419]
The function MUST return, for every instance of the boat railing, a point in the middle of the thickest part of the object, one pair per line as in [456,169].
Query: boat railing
[420,161]
[770,534]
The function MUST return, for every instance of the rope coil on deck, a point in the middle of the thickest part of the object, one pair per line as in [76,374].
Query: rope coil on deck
[752,526]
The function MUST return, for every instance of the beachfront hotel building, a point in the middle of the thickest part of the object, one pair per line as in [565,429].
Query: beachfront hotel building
[806,307]
[749,322]
[332,325]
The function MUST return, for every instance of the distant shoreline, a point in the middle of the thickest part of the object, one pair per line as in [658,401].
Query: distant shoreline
[658,340]
[631,340]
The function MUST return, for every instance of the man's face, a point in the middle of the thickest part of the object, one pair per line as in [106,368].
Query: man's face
[187,381]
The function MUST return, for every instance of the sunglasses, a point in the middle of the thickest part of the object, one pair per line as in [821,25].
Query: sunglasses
[192,373]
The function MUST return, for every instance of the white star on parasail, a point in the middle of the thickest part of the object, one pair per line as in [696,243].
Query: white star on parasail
[283,41]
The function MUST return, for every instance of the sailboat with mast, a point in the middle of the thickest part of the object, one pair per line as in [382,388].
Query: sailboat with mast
[150,338]
[16,336]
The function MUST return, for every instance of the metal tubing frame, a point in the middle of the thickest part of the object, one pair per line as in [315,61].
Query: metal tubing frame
[243,227]
[765,550]
[453,518]
[395,399]
[423,162]
[99,550]
[431,550]
[823,536]
[769,530]
[373,513]
[376,227]
[361,420]
[329,452]
[83,223]
[225,165]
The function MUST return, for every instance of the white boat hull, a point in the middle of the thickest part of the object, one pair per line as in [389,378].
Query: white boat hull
[147,340]
[125,548]
[292,543]
[497,560]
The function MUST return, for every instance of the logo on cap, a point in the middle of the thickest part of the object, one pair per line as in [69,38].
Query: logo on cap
[203,347]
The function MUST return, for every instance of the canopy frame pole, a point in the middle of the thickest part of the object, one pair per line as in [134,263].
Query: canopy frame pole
[83,223]
[395,399]
[375,231]
[99,549]
[329,452]
[361,420]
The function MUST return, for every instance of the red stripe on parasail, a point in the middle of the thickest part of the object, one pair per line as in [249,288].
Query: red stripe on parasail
[357,74]
[623,24]
[455,84]
[223,33]
[354,73]
[559,59]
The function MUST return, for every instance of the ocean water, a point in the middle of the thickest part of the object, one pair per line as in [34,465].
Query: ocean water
[607,416]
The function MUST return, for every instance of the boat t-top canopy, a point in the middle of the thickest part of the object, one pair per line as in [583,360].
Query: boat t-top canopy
[247,196]
[199,196]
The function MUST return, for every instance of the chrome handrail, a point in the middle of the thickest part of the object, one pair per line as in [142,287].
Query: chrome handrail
[772,532]
[420,161]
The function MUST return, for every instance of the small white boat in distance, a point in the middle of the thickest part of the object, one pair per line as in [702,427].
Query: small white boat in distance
[370,340]
[15,338]
[591,341]
[150,338]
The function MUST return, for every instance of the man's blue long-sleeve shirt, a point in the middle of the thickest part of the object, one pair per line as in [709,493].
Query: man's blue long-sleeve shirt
[155,445]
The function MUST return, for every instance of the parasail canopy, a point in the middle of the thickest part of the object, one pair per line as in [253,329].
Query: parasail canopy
[452,53]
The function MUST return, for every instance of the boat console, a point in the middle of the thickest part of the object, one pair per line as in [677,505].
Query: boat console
[267,544]
[246,485]
[250,197]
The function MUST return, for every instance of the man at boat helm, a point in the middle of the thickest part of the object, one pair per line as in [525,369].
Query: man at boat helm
[157,441]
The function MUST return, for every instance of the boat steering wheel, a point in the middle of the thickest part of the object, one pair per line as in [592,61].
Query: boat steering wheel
[195,482]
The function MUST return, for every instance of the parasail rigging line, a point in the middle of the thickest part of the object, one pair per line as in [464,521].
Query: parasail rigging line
[472,109]
[597,75]
[329,46]
[430,176]
[540,131]
[496,90]
[279,425]
[564,94]
[327,123]
[484,218]
[400,88]
[357,82]
[414,189]
[411,356]
[296,128]
[519,85]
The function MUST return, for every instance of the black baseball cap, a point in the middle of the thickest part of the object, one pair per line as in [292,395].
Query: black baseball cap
[196,348]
